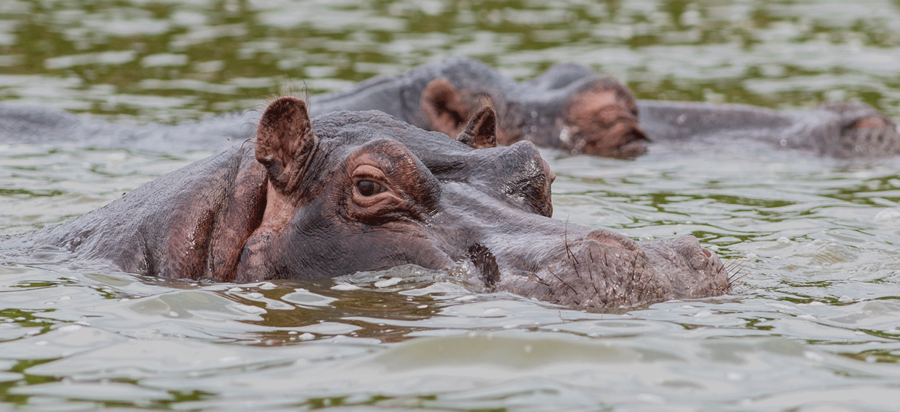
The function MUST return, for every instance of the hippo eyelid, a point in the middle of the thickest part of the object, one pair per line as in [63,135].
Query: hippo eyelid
[369,173]
[383,193]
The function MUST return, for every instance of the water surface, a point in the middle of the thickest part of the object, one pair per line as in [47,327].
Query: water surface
[814,326]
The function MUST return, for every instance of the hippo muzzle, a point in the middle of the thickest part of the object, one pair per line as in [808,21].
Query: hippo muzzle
[512,250]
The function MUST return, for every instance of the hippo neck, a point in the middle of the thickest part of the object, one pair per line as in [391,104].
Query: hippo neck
[191,223]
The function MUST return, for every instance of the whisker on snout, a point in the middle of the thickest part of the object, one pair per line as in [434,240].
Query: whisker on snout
[733,280]
[734,267]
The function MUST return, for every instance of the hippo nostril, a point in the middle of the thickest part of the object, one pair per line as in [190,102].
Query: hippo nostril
[485,263]
[697,256]
[637,133]
[870,122]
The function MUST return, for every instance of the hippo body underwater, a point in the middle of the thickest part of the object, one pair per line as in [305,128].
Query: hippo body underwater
[310,199]
[569,107]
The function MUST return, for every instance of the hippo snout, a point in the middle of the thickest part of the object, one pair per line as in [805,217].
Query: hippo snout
[603,121]
[684,252]
[698,257]
[603,269]
[624,140]
[692,270]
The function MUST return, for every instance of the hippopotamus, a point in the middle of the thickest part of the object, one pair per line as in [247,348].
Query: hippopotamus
[569,107]
[315,198]
[564,108]
[573,108]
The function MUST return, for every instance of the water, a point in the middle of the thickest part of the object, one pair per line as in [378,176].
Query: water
[815,325]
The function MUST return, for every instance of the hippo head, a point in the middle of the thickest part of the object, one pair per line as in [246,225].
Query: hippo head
[356,191]
[568,107]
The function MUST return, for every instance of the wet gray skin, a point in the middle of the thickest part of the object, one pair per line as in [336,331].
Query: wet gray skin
[354,191]
[568,107]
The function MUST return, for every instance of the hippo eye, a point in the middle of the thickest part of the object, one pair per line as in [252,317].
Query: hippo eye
[368,187]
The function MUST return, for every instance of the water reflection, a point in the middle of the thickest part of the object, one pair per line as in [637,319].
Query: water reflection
[813,324]
[174,61]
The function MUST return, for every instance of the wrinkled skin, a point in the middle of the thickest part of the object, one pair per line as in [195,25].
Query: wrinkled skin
[568,107]
[354,191]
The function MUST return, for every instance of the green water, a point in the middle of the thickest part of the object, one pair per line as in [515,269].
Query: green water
[815,325]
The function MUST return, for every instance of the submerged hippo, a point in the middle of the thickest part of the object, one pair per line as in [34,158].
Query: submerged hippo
[564,108]
[569,107]
[354,191]
[572,108]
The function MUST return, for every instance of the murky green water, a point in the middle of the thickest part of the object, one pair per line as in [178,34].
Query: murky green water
[814,327]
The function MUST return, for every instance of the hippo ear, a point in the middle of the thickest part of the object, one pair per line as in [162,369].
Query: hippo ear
[481,131]
[444,108]
[284,141]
